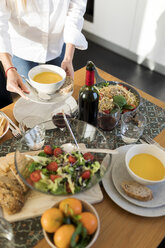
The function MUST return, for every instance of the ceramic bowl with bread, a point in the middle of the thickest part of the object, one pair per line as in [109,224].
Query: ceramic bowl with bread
[4,126]
[47,78]
[92,226]
[145,163]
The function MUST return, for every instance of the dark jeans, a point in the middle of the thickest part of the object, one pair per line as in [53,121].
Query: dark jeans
[23,66]
[5,96]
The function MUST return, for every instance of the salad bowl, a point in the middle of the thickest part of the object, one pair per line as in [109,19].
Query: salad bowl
[44,166]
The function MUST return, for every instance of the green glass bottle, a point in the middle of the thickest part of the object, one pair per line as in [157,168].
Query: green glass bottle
[89,97]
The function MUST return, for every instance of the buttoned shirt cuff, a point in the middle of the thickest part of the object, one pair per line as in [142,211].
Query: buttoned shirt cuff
[76,38]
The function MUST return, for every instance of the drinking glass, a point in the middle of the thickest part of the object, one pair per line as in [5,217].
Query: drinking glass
[6,234]
[57,115]
[108,121]
[132,126]
[35,137]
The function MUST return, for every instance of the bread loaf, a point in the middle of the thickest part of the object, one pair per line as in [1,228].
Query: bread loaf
[67,86]
[137,191]
[11,195]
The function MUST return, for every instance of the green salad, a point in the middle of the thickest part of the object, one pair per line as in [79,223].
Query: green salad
[59,172]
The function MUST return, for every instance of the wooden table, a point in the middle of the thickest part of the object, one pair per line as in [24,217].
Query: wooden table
[119,228]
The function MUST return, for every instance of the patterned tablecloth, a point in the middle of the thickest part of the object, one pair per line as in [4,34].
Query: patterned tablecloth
[29,232]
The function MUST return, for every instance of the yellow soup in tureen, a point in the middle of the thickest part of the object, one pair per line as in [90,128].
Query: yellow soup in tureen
[47,77]
[147,166]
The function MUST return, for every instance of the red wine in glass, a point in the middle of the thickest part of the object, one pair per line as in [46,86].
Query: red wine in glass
[107,123]
[59,121]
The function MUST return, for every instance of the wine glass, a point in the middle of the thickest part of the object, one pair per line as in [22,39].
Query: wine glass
[57,115]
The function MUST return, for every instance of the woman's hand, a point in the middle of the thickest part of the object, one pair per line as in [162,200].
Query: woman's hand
[68,68]
[67,64]
[15,84]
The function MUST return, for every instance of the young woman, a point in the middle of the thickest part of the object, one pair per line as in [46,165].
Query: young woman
[39,31]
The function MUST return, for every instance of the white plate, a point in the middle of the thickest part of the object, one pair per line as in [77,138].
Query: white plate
[24,108]
[122,202]
[120,174]
[55,98]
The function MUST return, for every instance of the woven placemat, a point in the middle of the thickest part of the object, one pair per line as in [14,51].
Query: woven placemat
[28,232]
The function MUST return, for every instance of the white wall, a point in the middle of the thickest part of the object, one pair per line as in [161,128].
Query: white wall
[113,20]
[136,26]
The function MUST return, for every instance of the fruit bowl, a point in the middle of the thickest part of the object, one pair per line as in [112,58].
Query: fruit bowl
[86,207]
[43,168]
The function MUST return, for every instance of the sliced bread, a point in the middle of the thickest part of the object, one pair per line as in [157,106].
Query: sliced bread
[137,191]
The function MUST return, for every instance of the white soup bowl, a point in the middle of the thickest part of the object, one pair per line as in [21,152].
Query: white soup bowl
[149,149]
[46,88]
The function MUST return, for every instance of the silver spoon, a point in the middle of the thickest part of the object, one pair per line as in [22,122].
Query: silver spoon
[41,95]
[99,79]
[71,147]
[67,123]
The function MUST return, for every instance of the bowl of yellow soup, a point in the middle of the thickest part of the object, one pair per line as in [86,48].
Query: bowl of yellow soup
[146,164]
[47,78]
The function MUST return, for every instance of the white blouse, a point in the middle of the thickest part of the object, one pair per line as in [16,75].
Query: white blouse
[37,34]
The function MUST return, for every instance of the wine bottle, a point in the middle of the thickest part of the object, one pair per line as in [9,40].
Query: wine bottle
[89,97]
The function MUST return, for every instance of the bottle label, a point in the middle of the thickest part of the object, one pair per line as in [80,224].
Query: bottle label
[90,78]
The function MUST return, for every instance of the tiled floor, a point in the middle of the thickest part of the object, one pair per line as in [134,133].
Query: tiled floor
[139,76]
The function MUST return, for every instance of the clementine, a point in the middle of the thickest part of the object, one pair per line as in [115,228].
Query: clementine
[71,206]
[89,221]
[52,219]
[62,236]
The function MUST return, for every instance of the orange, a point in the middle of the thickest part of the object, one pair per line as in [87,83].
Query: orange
[71,206]
[62,236]
[52,219]
[89,221]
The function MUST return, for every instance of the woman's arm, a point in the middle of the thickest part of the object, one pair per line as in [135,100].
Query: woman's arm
[73,36]
[14,81]
[67,63]
[74,24]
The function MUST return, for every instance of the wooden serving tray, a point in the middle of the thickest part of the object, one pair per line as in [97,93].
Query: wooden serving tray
[38,202]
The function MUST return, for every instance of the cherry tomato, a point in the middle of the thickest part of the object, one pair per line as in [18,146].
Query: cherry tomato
[125,110]
[52,166]
[106,111]
[48,150]
[86,174]
[29,181]
[133,107]
[72,159]
[128,110]
[35,176]
[100,96]
[68,188]
[53,177]
[123,86]
[57,151]
[88,156]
